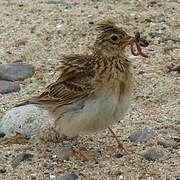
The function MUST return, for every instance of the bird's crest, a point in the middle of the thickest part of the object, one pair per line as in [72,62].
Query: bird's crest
[106,26]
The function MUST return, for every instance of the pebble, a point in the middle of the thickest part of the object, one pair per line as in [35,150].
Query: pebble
[155,34]
[19,158]
[68,177]
[2,169]
[16,71]
[153,154]
[178,153]
[119,155]
[65,153]
[141,135]
[8,87]
[167,143]
[57,2]
[26,120]
[2,135]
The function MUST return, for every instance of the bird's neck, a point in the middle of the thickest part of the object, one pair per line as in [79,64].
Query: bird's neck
[111,64]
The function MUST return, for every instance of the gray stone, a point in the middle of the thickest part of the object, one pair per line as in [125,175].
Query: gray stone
[153,154]
[26,120]
[56,2]
[8,87]
[141,135]
[15,71]
[68,177]
[19,158]
[167,143]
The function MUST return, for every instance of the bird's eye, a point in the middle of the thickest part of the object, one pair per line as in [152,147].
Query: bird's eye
[114,38]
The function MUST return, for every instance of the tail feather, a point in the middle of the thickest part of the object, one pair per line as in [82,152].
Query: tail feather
[33,100]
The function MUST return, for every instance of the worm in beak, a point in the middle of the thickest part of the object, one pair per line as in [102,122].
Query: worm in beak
[139,42]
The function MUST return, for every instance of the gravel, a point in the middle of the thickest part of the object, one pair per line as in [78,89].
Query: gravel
[38,33]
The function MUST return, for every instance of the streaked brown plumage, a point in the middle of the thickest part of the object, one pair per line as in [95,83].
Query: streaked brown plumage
[92,91]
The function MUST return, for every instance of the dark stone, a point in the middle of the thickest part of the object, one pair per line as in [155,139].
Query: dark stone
[177,139]
[119,155]
[153,154]
[15,71]
[2,170]
[21,157]
[20,5]
[2,135]
[148,20]
[68,177]
[33,177]
[141,135]
[155,34]
[8,87]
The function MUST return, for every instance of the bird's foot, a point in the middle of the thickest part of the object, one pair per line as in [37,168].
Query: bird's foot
[122,148]
[81,152]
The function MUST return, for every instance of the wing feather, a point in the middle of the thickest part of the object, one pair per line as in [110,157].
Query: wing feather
[73,84]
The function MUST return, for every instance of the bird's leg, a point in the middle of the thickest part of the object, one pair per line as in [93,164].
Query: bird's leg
[82,153]
[120,145]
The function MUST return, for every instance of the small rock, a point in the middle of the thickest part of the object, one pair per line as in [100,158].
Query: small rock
[14,139]
[153,154]
[33,177]
[2,135]
[148,20]
[68,177]
[141,135]
[65,153]
[8,87]
[175,68]
[173,0]
[1,115]
[119,155]
[57,2]
[167,143]
[52,176]
[178,153]
[53,2]
[15,71]
[2,169]
[155,34]
[177,139]
[26,120]
[101,165]
[19,158]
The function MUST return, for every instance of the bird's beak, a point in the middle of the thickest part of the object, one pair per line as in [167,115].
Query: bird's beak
[126,41]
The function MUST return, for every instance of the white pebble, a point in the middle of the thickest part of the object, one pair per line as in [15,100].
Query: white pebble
[58,26]
[54,156]
[52,176]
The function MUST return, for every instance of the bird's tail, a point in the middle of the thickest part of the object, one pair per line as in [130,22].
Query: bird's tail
[33,100]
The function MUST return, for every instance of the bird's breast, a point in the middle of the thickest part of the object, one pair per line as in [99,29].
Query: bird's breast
[95,112]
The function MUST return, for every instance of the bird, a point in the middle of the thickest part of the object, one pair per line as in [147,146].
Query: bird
[92,91]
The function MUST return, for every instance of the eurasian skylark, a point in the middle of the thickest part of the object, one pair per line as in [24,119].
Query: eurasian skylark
[93,91]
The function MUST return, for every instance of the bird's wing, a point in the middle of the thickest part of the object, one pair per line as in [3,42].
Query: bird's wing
[73,84]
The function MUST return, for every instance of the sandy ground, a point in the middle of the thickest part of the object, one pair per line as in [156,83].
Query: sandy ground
[38,32]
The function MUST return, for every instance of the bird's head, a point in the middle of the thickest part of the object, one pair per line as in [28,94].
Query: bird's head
[111,40]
